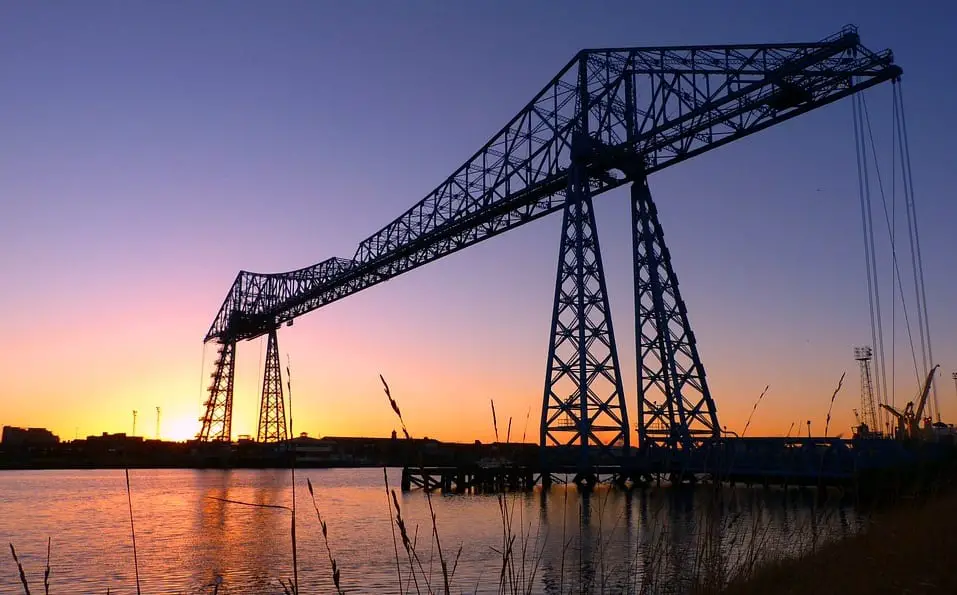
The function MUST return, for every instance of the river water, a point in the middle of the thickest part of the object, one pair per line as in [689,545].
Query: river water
[188,538]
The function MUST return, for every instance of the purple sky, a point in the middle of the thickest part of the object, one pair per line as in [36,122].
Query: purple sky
[150,151]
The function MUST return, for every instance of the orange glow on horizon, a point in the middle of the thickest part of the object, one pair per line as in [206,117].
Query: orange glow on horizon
[443,381]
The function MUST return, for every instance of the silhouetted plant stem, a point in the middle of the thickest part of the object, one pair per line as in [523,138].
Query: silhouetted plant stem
[753,409]
[325,539]
[129,499]
[406,543]
[395,546]
[827,422]
[292,471]
[23,576]
[438,546]
[46,571]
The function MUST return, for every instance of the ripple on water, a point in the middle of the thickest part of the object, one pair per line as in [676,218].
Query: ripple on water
[187,536]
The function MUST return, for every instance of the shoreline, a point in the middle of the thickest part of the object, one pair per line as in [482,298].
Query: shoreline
[906,548]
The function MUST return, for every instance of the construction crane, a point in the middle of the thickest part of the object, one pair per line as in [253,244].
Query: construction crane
[908,420]
[901,417]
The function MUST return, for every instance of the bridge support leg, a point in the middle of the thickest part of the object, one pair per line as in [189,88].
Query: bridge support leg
[272,410]
[218,419]
[674,403]
[583,400]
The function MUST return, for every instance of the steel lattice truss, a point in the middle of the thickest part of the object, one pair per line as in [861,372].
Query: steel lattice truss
[218,420]
[868,409]
[272,410]
[584,401]
[689,99]
[675,407]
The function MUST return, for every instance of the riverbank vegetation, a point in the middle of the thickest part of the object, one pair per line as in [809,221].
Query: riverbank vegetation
[906,549]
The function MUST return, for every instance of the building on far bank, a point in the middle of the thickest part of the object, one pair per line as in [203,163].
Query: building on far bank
[26,437]
[106,440]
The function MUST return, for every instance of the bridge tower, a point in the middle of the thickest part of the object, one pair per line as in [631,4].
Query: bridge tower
[272,411]
[218,419]
[583,401]
[675,408]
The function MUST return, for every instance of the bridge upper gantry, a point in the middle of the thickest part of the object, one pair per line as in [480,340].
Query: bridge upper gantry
[689,99]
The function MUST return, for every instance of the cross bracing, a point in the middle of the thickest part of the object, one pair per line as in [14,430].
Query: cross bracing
[689,99]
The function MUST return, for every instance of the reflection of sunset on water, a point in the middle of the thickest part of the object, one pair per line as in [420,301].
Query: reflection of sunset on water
[187,535]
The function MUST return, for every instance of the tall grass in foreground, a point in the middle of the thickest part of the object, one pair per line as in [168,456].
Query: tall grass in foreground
[136,564]
[325,539]
[725,550]
[23,575]
[417,570]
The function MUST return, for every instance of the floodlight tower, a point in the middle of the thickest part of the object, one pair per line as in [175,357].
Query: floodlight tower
[134,422]
[868,410]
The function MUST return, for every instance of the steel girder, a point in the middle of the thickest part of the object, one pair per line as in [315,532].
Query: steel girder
[688,100]
[253,295]
[218,419]
[272,410]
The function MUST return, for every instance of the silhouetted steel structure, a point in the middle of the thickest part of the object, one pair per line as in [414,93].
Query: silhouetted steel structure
[868,408]
[218,420]
[610,117]
[583,401]
[272,410]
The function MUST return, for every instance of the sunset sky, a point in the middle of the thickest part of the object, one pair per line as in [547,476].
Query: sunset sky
[151,150]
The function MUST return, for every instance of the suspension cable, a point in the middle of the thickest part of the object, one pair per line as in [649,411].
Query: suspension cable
[895,273]
[863,189]
[919,286]
[892,232]
[879,348]
[913,258]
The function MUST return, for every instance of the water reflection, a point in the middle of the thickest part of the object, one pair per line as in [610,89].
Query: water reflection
[664,540]
[211,525]
[605,540]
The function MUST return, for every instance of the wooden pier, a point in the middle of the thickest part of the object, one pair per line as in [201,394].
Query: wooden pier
[471,478]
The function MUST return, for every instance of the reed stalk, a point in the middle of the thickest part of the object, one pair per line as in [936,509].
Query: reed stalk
[325,539]
[23,576]
[292,471]
[46,571]
[395,547]
[827,422]
[407,544]
[129,499]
